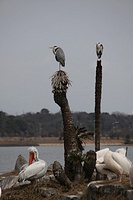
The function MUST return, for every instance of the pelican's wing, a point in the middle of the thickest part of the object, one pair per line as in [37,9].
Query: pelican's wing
[60,56]
[112,164]
[102,168]
[123,161]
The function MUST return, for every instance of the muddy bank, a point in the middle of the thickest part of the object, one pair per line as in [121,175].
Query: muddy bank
[38,141]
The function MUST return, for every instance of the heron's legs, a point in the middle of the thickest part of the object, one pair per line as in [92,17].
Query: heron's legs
[59,66]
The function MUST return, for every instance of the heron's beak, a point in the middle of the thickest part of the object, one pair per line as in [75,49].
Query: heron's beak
[51,47]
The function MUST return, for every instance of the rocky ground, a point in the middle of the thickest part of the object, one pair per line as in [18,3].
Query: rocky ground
[37,190]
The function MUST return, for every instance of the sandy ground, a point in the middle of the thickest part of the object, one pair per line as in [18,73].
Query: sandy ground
[50,140]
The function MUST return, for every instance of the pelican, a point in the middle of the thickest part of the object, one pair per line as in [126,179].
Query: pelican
[114,162]
[36,169]
[102,152]
[99,50]
[59,56]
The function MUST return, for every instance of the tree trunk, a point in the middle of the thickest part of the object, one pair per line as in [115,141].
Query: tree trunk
[72,170]
[98,91]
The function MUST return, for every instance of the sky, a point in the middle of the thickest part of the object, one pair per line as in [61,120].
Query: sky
[29,27]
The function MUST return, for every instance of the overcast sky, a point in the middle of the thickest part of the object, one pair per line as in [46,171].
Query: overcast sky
[29,27]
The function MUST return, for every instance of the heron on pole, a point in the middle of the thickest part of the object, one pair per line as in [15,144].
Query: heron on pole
[99,50]
[59,55]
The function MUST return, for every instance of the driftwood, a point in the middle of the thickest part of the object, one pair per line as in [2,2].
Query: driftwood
[60,175]
[89,164]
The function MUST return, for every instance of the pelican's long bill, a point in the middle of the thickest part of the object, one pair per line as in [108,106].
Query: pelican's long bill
[31,158]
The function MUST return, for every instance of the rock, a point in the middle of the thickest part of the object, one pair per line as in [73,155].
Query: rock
[50,168]
[89,164]
[48,178]
[20,162]
[69,197]
[60,175]
[47,192]
[97,189]
[129,195]
[45,178]
[52,177]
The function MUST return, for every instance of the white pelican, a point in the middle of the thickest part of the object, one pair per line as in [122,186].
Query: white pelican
[102,152]
[118,158]
[37,168]
[100,165]
[114,162]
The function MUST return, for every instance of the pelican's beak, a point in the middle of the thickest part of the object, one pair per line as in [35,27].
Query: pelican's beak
[31,158]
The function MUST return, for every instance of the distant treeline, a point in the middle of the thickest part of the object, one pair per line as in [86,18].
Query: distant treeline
[47,124]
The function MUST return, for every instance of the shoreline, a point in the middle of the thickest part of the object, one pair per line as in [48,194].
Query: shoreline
[53,141]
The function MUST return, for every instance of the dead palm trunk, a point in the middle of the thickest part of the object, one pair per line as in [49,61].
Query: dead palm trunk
[60,83]
[98,91]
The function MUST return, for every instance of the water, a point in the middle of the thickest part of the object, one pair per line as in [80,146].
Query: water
[50,153]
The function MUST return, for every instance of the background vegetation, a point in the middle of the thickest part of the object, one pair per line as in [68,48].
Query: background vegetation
[116,125]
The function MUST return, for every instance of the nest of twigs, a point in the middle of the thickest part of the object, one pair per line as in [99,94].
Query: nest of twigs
[60,82]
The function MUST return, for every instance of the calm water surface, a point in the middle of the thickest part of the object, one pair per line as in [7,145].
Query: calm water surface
[8,155]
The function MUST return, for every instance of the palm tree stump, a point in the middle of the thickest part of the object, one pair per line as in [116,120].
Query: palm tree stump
[73,167]
[98,91]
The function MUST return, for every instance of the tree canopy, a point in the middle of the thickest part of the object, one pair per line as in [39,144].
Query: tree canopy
[48,124]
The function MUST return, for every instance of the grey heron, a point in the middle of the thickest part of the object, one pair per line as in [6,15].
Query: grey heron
[99,50]
[59,55]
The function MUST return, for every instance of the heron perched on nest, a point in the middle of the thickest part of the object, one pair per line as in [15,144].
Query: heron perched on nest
[59,56]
